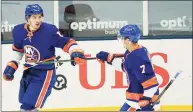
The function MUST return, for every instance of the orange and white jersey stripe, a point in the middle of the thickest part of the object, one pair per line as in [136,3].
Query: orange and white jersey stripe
[44,89]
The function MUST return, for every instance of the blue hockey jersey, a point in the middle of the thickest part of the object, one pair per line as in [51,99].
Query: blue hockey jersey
[39,45]
[140,74]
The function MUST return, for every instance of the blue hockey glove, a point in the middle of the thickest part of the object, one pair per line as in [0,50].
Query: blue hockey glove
[78,56]
[146,104]
[105,56]
[9,71]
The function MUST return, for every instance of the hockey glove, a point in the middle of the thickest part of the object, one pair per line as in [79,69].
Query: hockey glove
[9,71]
[78,56]
[146,104]
[105,56]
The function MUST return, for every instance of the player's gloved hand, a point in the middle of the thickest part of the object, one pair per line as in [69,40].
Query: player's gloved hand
[9,71]
[78,56]
[105,56]
[146,104]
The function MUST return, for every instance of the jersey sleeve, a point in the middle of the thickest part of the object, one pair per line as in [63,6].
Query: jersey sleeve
[17,42]
[17,46]
[145,74]
[61,41]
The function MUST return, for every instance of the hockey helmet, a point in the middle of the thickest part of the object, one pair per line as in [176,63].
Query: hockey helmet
[33,9]
[131,31]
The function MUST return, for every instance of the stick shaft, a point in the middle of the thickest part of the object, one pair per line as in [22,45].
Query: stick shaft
[62,61]
[166,88]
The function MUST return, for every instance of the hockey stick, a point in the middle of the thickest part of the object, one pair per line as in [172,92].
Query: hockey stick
[62,61]
[166,88]
[56,61]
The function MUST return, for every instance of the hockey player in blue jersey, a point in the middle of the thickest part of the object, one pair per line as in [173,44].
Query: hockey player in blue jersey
[142,82]
[36,41]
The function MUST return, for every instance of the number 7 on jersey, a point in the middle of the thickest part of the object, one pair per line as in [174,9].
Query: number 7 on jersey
[143,68]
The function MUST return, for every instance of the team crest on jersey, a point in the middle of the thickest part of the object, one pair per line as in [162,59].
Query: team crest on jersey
[32,55]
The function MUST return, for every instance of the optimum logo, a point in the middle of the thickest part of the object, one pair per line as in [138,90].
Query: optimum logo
[109,26]
[6,27]
[180,22]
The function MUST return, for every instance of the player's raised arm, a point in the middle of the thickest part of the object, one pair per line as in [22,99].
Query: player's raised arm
[111,59]
[69,46]
[17,55]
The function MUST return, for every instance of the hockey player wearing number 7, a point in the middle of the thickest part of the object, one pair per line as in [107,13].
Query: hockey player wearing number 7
[142,82]
[37,40]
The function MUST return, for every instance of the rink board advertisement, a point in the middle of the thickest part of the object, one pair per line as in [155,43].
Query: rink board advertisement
[93,85]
